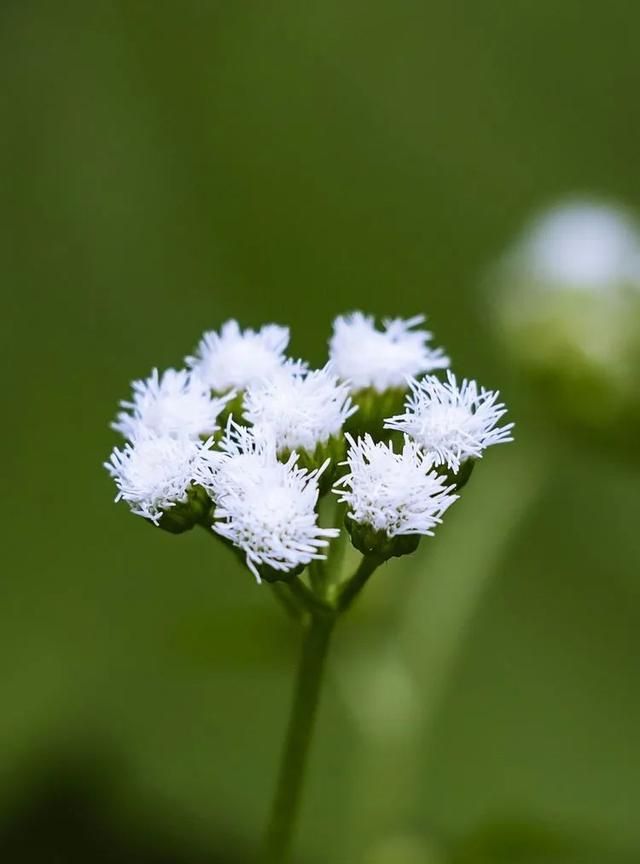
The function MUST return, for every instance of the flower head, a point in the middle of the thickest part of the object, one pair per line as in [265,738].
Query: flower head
[452,423]
[382,359]
[240,460]
[394,493]
[154,472]
[300,410]
[174,403]
[234,358]
[270,515]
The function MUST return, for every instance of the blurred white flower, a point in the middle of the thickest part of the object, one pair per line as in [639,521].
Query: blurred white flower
[154,472]
[175,403]
[235,358]
[566,304]
[270,515]
[398,493]
[299,410]
[382,359]
[582,245]
[452,423]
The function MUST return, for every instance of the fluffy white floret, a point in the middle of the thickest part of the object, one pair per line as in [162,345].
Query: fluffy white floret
[269,514]
[174,403]
[240,460]
[452,423]
[235,358]
[299,410]
[154,472]
[398,493]
[367,357]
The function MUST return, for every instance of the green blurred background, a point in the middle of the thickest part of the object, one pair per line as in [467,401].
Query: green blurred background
[168,165]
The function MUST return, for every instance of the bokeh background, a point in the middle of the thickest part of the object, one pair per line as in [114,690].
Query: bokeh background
[168,165]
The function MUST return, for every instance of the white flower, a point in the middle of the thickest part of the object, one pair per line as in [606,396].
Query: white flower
[154,472]
[263,506]
[239,461]
[176,403]
[271,515]
[397,493]
[583,245]
[300,410]
[382,359]
[234,358]
[452,423]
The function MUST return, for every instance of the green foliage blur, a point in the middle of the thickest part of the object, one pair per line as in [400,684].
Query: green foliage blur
[167,165]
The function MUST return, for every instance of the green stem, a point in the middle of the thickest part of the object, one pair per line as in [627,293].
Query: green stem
[305,597]
[319,620]
[354,586]
[289,603]
[317,576]
[286,802]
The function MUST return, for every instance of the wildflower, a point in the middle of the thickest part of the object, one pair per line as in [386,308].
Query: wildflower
[240,460]
[154,473]
[271,516]
[234,358]
[393,493]
[176,403]
[452,423]
[366,357]
[301,410]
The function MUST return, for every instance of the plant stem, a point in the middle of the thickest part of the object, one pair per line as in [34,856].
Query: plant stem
[289,603]
[286,802]
[319,620]
[305,597]
[354,586]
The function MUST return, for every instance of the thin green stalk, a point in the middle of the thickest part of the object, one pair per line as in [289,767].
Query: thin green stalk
[316,572]
[286,802]
[289,603]
[354,586]
[338,548]
[318,617]
[305,597]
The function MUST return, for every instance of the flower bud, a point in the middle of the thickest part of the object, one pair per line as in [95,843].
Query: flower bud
[367,540]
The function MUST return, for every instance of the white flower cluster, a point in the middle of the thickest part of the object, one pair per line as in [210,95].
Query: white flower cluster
[163,424]
[261,500]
